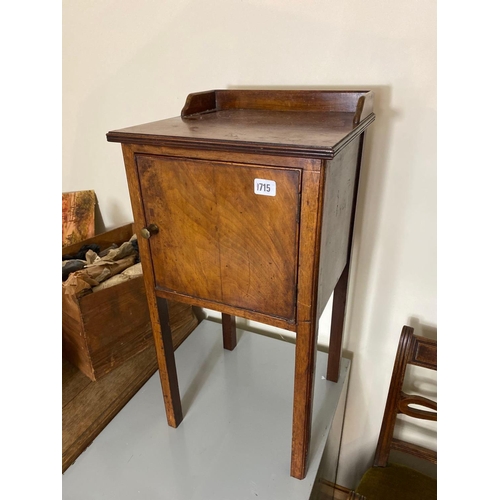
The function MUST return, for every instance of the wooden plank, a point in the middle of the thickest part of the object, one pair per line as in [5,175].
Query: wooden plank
[345,101]
[104,240]
[226,309]
[84,417]
[74,382]
[78,216]
[89,406]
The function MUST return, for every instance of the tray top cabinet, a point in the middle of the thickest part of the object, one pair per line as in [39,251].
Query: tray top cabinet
[246,205]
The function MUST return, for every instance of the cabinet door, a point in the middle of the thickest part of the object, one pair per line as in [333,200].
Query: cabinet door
[228,232]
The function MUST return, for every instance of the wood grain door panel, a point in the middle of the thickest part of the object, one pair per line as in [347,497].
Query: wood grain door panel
[179,197]
[218,239]
[258,239]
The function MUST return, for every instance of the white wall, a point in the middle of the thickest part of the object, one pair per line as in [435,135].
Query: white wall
[127,62]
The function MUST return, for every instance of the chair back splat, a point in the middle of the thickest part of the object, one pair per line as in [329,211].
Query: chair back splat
[414,350]
[386,480]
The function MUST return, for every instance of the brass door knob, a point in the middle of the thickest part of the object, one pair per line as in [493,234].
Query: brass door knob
[147,232]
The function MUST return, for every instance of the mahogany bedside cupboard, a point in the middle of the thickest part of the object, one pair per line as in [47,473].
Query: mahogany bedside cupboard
[246,206]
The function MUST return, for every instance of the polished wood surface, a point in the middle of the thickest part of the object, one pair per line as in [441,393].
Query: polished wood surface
[217,240]
[341,286]
[344,101]
[273,259]
[310,137]
[338,210]
[313,132]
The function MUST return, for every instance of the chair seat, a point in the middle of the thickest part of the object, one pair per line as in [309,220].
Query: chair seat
[396,482]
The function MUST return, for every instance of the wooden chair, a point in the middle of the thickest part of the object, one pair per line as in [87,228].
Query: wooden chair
[384,480]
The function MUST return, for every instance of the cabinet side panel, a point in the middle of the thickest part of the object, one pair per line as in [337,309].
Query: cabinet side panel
[339,193]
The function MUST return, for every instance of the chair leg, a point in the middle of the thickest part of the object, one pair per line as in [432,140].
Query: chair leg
[337,326]
[166,365]
[229,331]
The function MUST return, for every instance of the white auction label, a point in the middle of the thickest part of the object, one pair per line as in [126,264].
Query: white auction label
[264,187]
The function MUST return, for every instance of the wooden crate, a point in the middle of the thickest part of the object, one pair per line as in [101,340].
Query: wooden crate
[104,329]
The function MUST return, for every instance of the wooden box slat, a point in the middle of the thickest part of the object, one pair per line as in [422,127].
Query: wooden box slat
[102,330]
